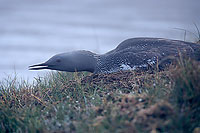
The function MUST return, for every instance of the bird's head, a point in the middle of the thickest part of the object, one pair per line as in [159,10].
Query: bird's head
[70,62]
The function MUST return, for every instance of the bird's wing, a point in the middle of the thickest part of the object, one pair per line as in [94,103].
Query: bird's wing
[141,52]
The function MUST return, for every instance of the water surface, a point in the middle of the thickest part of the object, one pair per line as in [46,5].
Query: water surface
[31,31]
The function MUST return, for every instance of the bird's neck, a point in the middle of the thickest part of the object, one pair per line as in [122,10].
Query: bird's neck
[86,61]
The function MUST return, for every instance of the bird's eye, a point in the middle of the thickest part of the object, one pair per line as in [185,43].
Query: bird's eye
[58,60]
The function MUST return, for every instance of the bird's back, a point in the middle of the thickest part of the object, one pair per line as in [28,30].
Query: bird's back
[145,44]
[141,52]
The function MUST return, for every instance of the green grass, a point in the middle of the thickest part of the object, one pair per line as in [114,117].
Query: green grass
[165,101]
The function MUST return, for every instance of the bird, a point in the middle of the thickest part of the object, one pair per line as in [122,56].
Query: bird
[131,54]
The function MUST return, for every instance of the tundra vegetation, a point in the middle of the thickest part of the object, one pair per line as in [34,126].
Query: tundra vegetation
[128,101]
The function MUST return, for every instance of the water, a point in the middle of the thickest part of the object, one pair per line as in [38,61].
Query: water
[31,31]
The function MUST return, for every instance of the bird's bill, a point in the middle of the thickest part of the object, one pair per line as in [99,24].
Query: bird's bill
[39,66]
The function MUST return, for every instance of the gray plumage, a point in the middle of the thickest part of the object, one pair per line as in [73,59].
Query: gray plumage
[131,54]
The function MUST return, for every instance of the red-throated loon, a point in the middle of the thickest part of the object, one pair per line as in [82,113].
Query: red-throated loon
[134,53]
